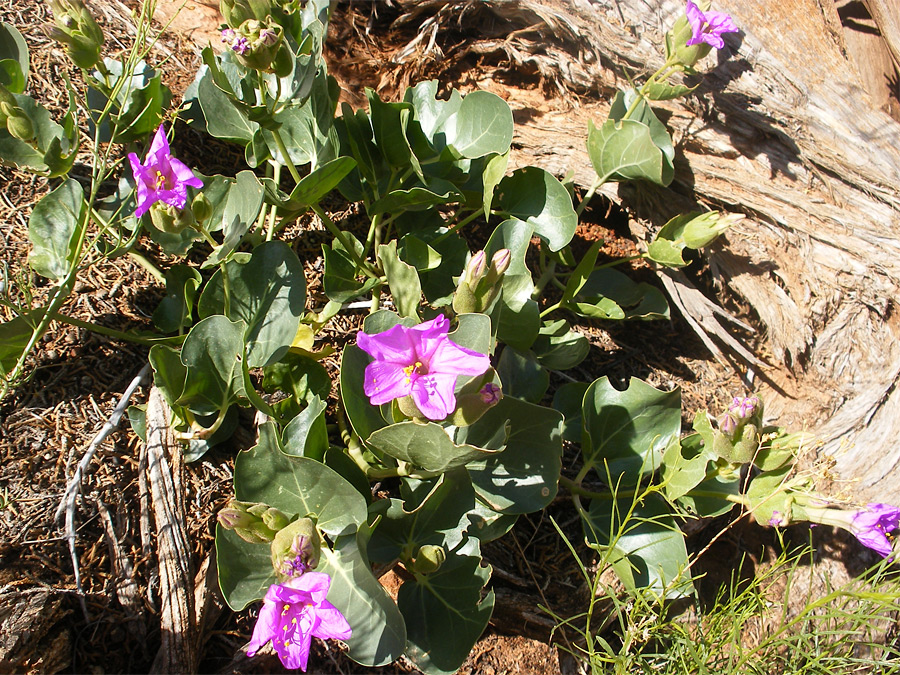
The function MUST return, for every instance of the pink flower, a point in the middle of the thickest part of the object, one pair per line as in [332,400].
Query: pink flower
[490,394]
[708,27]
[161,177]
[421,362]
[872,525]
[293,614]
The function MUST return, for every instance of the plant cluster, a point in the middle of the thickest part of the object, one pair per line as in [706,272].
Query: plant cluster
[440,395]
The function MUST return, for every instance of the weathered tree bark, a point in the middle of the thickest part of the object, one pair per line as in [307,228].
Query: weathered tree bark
[780,130]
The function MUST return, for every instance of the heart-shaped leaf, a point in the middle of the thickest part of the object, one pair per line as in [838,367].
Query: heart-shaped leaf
[52,227]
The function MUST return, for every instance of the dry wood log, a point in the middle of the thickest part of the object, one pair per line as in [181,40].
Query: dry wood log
[179,651]
[781,130]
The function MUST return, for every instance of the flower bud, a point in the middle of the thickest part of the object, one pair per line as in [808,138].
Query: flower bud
[500,262]
[475,269]
[745,407]
[78,31]
[705,228]
[255,42]
[170,219]
[676,43]
[475,399]
[429,559]
[237,12]
[246,520]
[296,549]
[201,208]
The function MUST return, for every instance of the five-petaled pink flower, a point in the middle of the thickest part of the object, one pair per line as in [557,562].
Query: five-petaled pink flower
[421,362]
[708,27]
[872,524]
[161,177]
[293,614]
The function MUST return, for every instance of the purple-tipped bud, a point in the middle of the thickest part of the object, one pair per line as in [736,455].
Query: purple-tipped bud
[500,261]
[475,269]
[295,549]
[727,423]
[744,406]
[490,394]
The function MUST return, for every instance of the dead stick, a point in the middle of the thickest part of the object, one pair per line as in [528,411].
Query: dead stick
[67,504]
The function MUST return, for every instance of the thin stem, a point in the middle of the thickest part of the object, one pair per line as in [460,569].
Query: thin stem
[113,333]
[551,308]
[352,252]
[270,228]
[546,276]
[142,260]
[456,227]
[282,148]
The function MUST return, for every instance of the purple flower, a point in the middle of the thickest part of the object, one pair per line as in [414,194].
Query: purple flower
[490,394]
[161,177]
[420,362]
[240,45]
[744,406]
[872,525]
[708,27]
[293,614]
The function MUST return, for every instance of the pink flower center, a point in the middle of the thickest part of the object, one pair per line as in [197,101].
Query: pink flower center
[162,181]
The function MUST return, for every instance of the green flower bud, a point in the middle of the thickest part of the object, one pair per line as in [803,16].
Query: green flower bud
[201,208]
[296,549]
[676,40]
[245,519]
[429,559]
[170,219]
[76,28]
[475,398]
[705,228]
[282,64]
[237,12]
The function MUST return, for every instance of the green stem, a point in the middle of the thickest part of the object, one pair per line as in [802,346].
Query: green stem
[226,289]
[456,227]
[551,308]
[205,234]
[270,228]
[142,260]
[113,333]
[376,299]
[282,148]
[358,261]
[546,276]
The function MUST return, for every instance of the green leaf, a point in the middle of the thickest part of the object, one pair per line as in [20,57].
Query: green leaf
[485,524]
[434,521]
[267,293]
[13,48]
[523,478]
[581,273]
[648,547]
[416,198]
[301,377]
[245,570]
[312,188]
[625,150]
[560,348]
[51,152]
[379,631]
[516,317]
[174,311]
[417,253]
[52,226]
[568,400]
[137,109]
[445,613]
[627,432]
[169,373]
[483,124]
[15,335]
[643,113]
[364,417]
[212,352]
[340,277]
[709,498]
[522,375]
[402,279]
[306,434]
[428,446]
[297,485]
[245,199]
[224,119]
[684,466]
[387,127]
[609,294]
[537,197]
[494,170]
[665,91]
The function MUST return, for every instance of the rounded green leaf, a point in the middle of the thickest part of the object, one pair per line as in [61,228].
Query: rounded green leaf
[51,229]
[537,197]
[625,150]
[245,569]
[482,125]
[297,485]
[627,432]
[428,446]
[523,478]
[13,48]
[213,352]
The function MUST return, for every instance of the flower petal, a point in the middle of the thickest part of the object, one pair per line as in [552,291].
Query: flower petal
[433,395]
[385,381]
[183,174]
[313,584]
[332,624]
[452,359]
[160,142]
[393,345]
[266,627]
